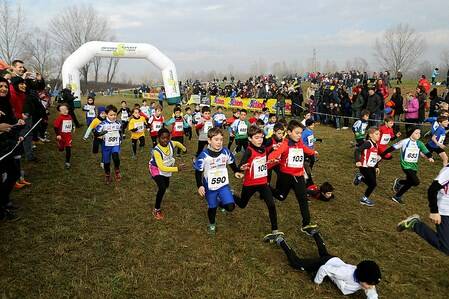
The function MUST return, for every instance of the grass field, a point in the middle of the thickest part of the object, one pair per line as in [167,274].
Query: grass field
[81,238]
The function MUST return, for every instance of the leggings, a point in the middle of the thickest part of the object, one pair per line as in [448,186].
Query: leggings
[180,139]
[96,145]
[310,265]
[231,141]
[68,154]
[241,143]
[107,166]
[162,183]
[212,212]
[141,144]
[188,133]
[154,140]
[284,183]
[309,161]
[369,178]
[411,179]
[265,192]
[10,167]
[201,145]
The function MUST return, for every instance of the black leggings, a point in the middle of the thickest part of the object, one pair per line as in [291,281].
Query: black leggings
[154,140]
[310,265]
[212,212]
[369,178]
[201,145]
[411,179]
[68,154]
[96,145]
[180,139]
[309,161]
[284,183]
[116,159]
[141,144]
[231,141]
[10,167]
[188,133]
[162,182]
[241,143]
[265,193]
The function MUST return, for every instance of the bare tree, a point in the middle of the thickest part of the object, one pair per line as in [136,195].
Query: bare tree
[97,66]
[399,48]
[40,52]
[112,69]
[77,25]
[11,31]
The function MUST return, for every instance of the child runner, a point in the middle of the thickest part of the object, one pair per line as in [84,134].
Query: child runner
[109,130]
[196,117]
[240,128]
[438,196]
[203,126]
[265,115]
[95,122]
[387,135]
[162,165]
[436,142]
[212,178]
[307,116]
[348,278]
[229,122]
[291,176]
[189,120]
[410,151]
[137,126]
[324,193]
[178,125]
[125,113]
[155,122]
[145,109]
[359,127]
[268,130]
[254,163]
[252,120]
[367,161]
[63,128]
[89,108]
[272,144]
[219,118]
[309,140]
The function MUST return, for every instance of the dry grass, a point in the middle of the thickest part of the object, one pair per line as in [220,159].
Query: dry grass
[81,238]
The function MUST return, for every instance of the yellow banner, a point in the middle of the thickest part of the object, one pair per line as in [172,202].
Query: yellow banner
[249,104]
[150,95]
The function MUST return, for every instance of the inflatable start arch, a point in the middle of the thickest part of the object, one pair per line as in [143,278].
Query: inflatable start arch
[73,63]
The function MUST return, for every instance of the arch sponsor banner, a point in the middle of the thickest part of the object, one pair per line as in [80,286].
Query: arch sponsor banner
[150,95]
[249,104]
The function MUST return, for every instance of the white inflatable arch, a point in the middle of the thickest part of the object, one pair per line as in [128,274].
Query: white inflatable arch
[73,63]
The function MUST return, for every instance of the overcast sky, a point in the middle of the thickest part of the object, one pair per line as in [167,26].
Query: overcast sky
[212,35]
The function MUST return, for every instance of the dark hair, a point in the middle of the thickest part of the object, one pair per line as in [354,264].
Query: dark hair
[214,132]
[177,109]
[135,108]
[326,187]
[60,105]
[364,112]
[309,122]
[111,108]
[16,61]
[368,272]
[264,109]
[162,131]
[441,118]
[123,102]
[219,107]
[253,130]
[259,122]
[187,109]
[293,124]
[278,127]
[205,109]
[271,115]
[388,119]
[137,105]
[244,111]
[412,130]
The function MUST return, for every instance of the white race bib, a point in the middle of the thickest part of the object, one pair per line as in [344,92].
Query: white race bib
[179,127]
[124,115]
[372,160]
[217,178]
[157,125]
[242,128]
[441,139]
[66,126]
[310,139]
[295,158]
[385,139]
[411,154]
[139,126]
[260,167]
[207,126]
[91,113]
[112,138]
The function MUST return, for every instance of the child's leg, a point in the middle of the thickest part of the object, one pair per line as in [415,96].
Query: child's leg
[226,198]
[239,144]
[410,181]
[438,239]
[247,192]
[443,157]
[162,183]
[369,178]
[283,186]
[134,146]
[96,145]
[106,158]
[141,142]
[181,140]
[231,140]
[68,154]
[154,140]
[244,143]
[299,186]
[201,145]
[310,265]
[116,159]
[211,213]
[266,195]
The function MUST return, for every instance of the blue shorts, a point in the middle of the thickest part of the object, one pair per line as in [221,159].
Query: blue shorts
[107,152]
[222,195]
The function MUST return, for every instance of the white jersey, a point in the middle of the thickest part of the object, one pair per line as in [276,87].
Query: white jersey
[215,173]
[443,193]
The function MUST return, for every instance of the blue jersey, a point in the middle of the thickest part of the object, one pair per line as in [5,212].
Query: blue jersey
[307,138]
[112,129]
[218,118]
[215,173]
[440,134]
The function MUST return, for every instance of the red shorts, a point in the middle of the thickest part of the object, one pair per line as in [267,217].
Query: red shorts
[66,141]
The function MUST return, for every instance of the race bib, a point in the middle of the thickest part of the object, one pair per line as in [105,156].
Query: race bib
[385,139]
[260,167]
[66,126]
[217,178]
[207,126]
[157,125]
[124,115]
[441,139]
[179,127]
[310,140]
[197,117]
[411,154]
[139,126]
[295,158]
[242,128]
[91,113]
[112,138]
[372,160]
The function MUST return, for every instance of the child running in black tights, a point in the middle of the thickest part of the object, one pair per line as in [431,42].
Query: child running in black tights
[254,163]
[367,161]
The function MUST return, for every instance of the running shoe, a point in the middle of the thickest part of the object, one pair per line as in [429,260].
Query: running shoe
[24,182]
[397,199]
[211,229]
[108,179]
[408,223]
[118,176]
[8,215]
[18,186]
[310,229]
[396,185]
[67,165]
[357,179]
[366,201]
[271,237]
[158,215]
[280,239]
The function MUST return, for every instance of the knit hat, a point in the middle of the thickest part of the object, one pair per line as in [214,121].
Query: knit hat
[101,109]
[368,272]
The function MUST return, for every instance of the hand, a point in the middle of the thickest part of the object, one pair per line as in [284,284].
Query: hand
[201,191]
[431,160]
[244,167]
[58,137]
[20,122]
[435,218]
[21,138]
[24,116]
[377,170]
[316,153]
[239,175]
[273,161]
[442,146]
[276,146]
[4,127]
[358,164]
[398,134]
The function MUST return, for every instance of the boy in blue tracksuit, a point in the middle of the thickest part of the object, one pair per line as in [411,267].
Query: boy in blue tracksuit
[110,131]
[219,118]
[436,142]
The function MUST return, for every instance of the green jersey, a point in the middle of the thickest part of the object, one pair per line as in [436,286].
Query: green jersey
[410,151]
